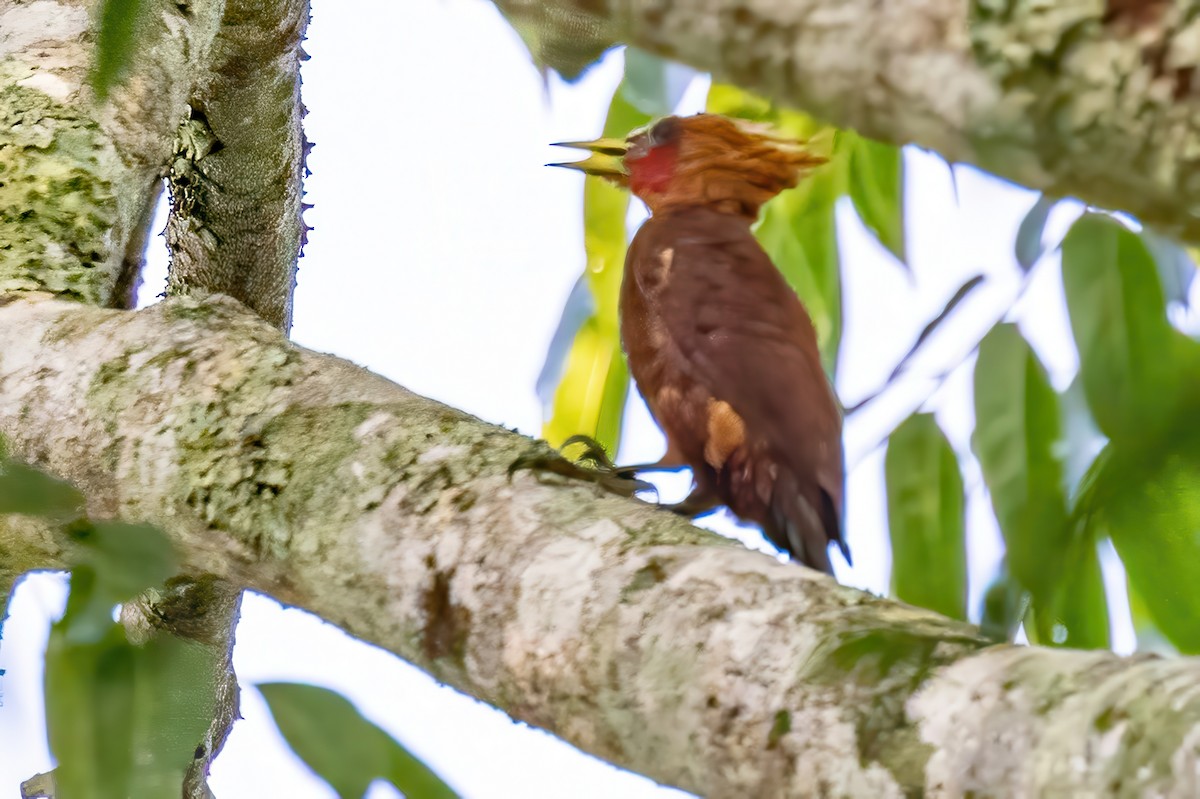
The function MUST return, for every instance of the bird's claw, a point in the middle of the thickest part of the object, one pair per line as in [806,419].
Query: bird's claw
[541,459]
[593,450]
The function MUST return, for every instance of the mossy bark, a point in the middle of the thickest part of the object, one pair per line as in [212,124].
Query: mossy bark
[78,179]
[237,173]
[652,644]
[78,176]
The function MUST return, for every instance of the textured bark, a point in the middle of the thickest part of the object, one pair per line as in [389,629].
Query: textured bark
[236,224]
[77,179]
[626,631]
[635,636]
[1074,97]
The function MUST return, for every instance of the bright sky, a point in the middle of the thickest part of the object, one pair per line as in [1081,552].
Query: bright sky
[442,254]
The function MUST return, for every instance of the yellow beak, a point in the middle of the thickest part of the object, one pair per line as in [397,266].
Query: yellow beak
[606,159]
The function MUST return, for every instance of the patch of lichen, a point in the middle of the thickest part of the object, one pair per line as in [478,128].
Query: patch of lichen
[1151,725]
[881,663]
[194,311]
[1151,735]
[74,326]
[1080,78]
[669,529]
[228,473]
[108,392]
[57,207]
[409,453]
[644,578]
[301,457]
[110,376]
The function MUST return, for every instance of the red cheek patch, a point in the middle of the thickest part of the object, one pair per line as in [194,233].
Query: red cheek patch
[652,173]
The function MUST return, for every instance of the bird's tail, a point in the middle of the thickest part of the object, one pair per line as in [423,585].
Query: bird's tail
[804,522]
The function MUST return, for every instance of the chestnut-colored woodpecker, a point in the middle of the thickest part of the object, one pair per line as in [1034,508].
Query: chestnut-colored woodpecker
[718,343]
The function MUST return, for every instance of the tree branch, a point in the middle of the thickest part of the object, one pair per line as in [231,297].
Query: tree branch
[78,181]
[236,183]
[641,639]
[1077,97]
[78,178]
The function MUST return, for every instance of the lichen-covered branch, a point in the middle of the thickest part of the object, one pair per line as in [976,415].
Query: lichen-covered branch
[1075,97]
[623,629]
[77,177]
[236,178]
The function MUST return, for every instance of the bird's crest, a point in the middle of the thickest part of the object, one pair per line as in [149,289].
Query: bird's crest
[735,160]
[707,159]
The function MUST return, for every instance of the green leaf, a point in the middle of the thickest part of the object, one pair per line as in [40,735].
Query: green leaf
[1077,616]
[1138,375]
[24,489]
[1004,605]
[1149,637]
[1175,263]
[344,748]
[877,191]
[113,563]
[926,518]
[590,398]
[1082,440]
[798,230]
[1016,439]
[1150,502]
[127,558]
[1029,246]
[125,720]
[115,43]
[1131,360]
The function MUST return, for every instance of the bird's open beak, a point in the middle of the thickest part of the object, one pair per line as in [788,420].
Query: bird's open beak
[606,159]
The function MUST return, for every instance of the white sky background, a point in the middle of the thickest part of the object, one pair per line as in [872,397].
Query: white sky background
[442,254]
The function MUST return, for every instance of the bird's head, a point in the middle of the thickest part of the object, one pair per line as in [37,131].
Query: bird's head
[705,160]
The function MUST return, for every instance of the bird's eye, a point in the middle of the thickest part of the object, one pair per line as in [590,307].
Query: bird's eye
[663,132]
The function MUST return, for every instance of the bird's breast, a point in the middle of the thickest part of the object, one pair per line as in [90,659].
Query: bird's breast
[683,408]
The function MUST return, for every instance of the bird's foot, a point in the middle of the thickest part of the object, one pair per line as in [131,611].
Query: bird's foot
[541,459]
[697,503]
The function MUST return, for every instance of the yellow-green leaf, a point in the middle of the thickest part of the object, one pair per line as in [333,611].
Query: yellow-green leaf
[590,398]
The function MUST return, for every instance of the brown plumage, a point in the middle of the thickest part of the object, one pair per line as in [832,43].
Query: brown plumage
[720,347]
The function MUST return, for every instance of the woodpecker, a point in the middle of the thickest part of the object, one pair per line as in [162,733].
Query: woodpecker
[719,345]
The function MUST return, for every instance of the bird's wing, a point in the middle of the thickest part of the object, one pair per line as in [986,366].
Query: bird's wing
[745,336]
